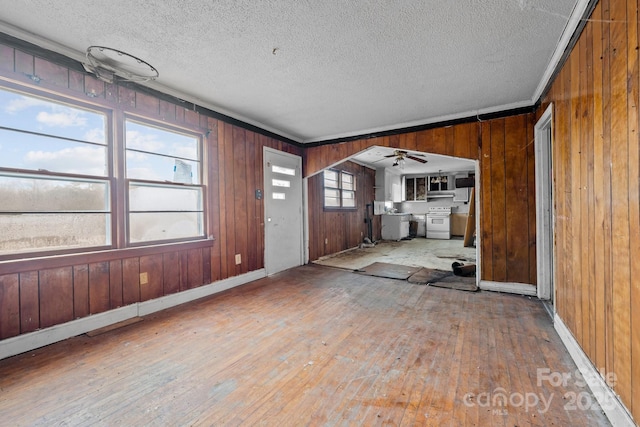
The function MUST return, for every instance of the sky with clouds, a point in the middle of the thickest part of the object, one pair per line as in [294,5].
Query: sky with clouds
[152,160]
[36,134]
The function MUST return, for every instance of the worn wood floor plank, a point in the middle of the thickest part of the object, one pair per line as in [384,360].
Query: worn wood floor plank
[311,346]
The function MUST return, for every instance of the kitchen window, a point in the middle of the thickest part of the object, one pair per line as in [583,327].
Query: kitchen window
[339,189]
[438,182]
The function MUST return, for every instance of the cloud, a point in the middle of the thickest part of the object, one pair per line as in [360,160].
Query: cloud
[185,151]
[145,173]
[49,114]
[61,119]
[22,103]
[95,135]
[143,142]
[79,160]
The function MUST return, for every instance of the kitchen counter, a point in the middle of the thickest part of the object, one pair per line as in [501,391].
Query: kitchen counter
[395,226]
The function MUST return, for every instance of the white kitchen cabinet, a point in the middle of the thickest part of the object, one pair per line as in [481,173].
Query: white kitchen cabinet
[395,226]
[393,187]
[461,194]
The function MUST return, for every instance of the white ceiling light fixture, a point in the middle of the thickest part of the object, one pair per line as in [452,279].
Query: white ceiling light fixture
[439,179]
[107,63]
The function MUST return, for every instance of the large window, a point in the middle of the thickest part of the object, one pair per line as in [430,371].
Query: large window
[54,176]
[61,189]
[339,189]
[164,184]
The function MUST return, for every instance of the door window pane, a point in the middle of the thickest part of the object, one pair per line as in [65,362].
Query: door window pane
[283,170]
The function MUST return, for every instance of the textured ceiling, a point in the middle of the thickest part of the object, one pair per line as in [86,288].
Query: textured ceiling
[318,70]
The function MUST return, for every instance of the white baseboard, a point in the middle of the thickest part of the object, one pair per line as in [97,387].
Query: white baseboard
[30,341]
[509,287]
[606,397]
[172,300]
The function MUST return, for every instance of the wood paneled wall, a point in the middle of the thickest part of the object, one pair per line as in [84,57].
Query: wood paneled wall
[507,200]
[596,158]
[505,150]
[333,231]
[44,292]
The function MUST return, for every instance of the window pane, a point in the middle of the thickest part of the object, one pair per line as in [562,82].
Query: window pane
[152,226]
[349,203]
[434,183]
[27,151]
[41,232]
[144,197]
[348,199]
[30,113]
[280,183]
[331,197]
[283,170]
[331,179]
[160,168]
[332,202]
[31,194]
[328,192]
[348,181]
[154,140]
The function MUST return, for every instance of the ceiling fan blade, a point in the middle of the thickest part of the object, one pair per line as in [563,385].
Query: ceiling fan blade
[391,155]
[417,159]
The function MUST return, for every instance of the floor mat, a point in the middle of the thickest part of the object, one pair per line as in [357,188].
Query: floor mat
[389,271]
[428,275]
[456,282]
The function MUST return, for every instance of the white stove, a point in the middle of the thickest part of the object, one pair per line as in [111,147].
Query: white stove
[439,223]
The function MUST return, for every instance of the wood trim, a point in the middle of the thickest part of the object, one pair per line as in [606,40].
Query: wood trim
[42,337]
[613,408]
[508,287]
[16,266]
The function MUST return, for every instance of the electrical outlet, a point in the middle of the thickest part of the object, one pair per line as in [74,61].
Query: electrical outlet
[326,241]
[144,278]
[238,259]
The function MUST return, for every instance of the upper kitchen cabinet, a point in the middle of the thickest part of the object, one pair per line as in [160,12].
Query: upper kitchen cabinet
[415,189]
[461,194]
[388,186]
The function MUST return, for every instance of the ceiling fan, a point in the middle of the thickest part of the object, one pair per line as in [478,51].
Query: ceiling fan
[401,155]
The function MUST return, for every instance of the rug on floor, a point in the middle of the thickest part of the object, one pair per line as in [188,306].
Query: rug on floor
[427,275]
[456,282]
[389,271]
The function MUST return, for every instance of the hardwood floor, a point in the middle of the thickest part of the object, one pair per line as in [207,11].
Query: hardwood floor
[310,346]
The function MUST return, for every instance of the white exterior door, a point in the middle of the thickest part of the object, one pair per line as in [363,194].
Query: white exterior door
[283,210]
